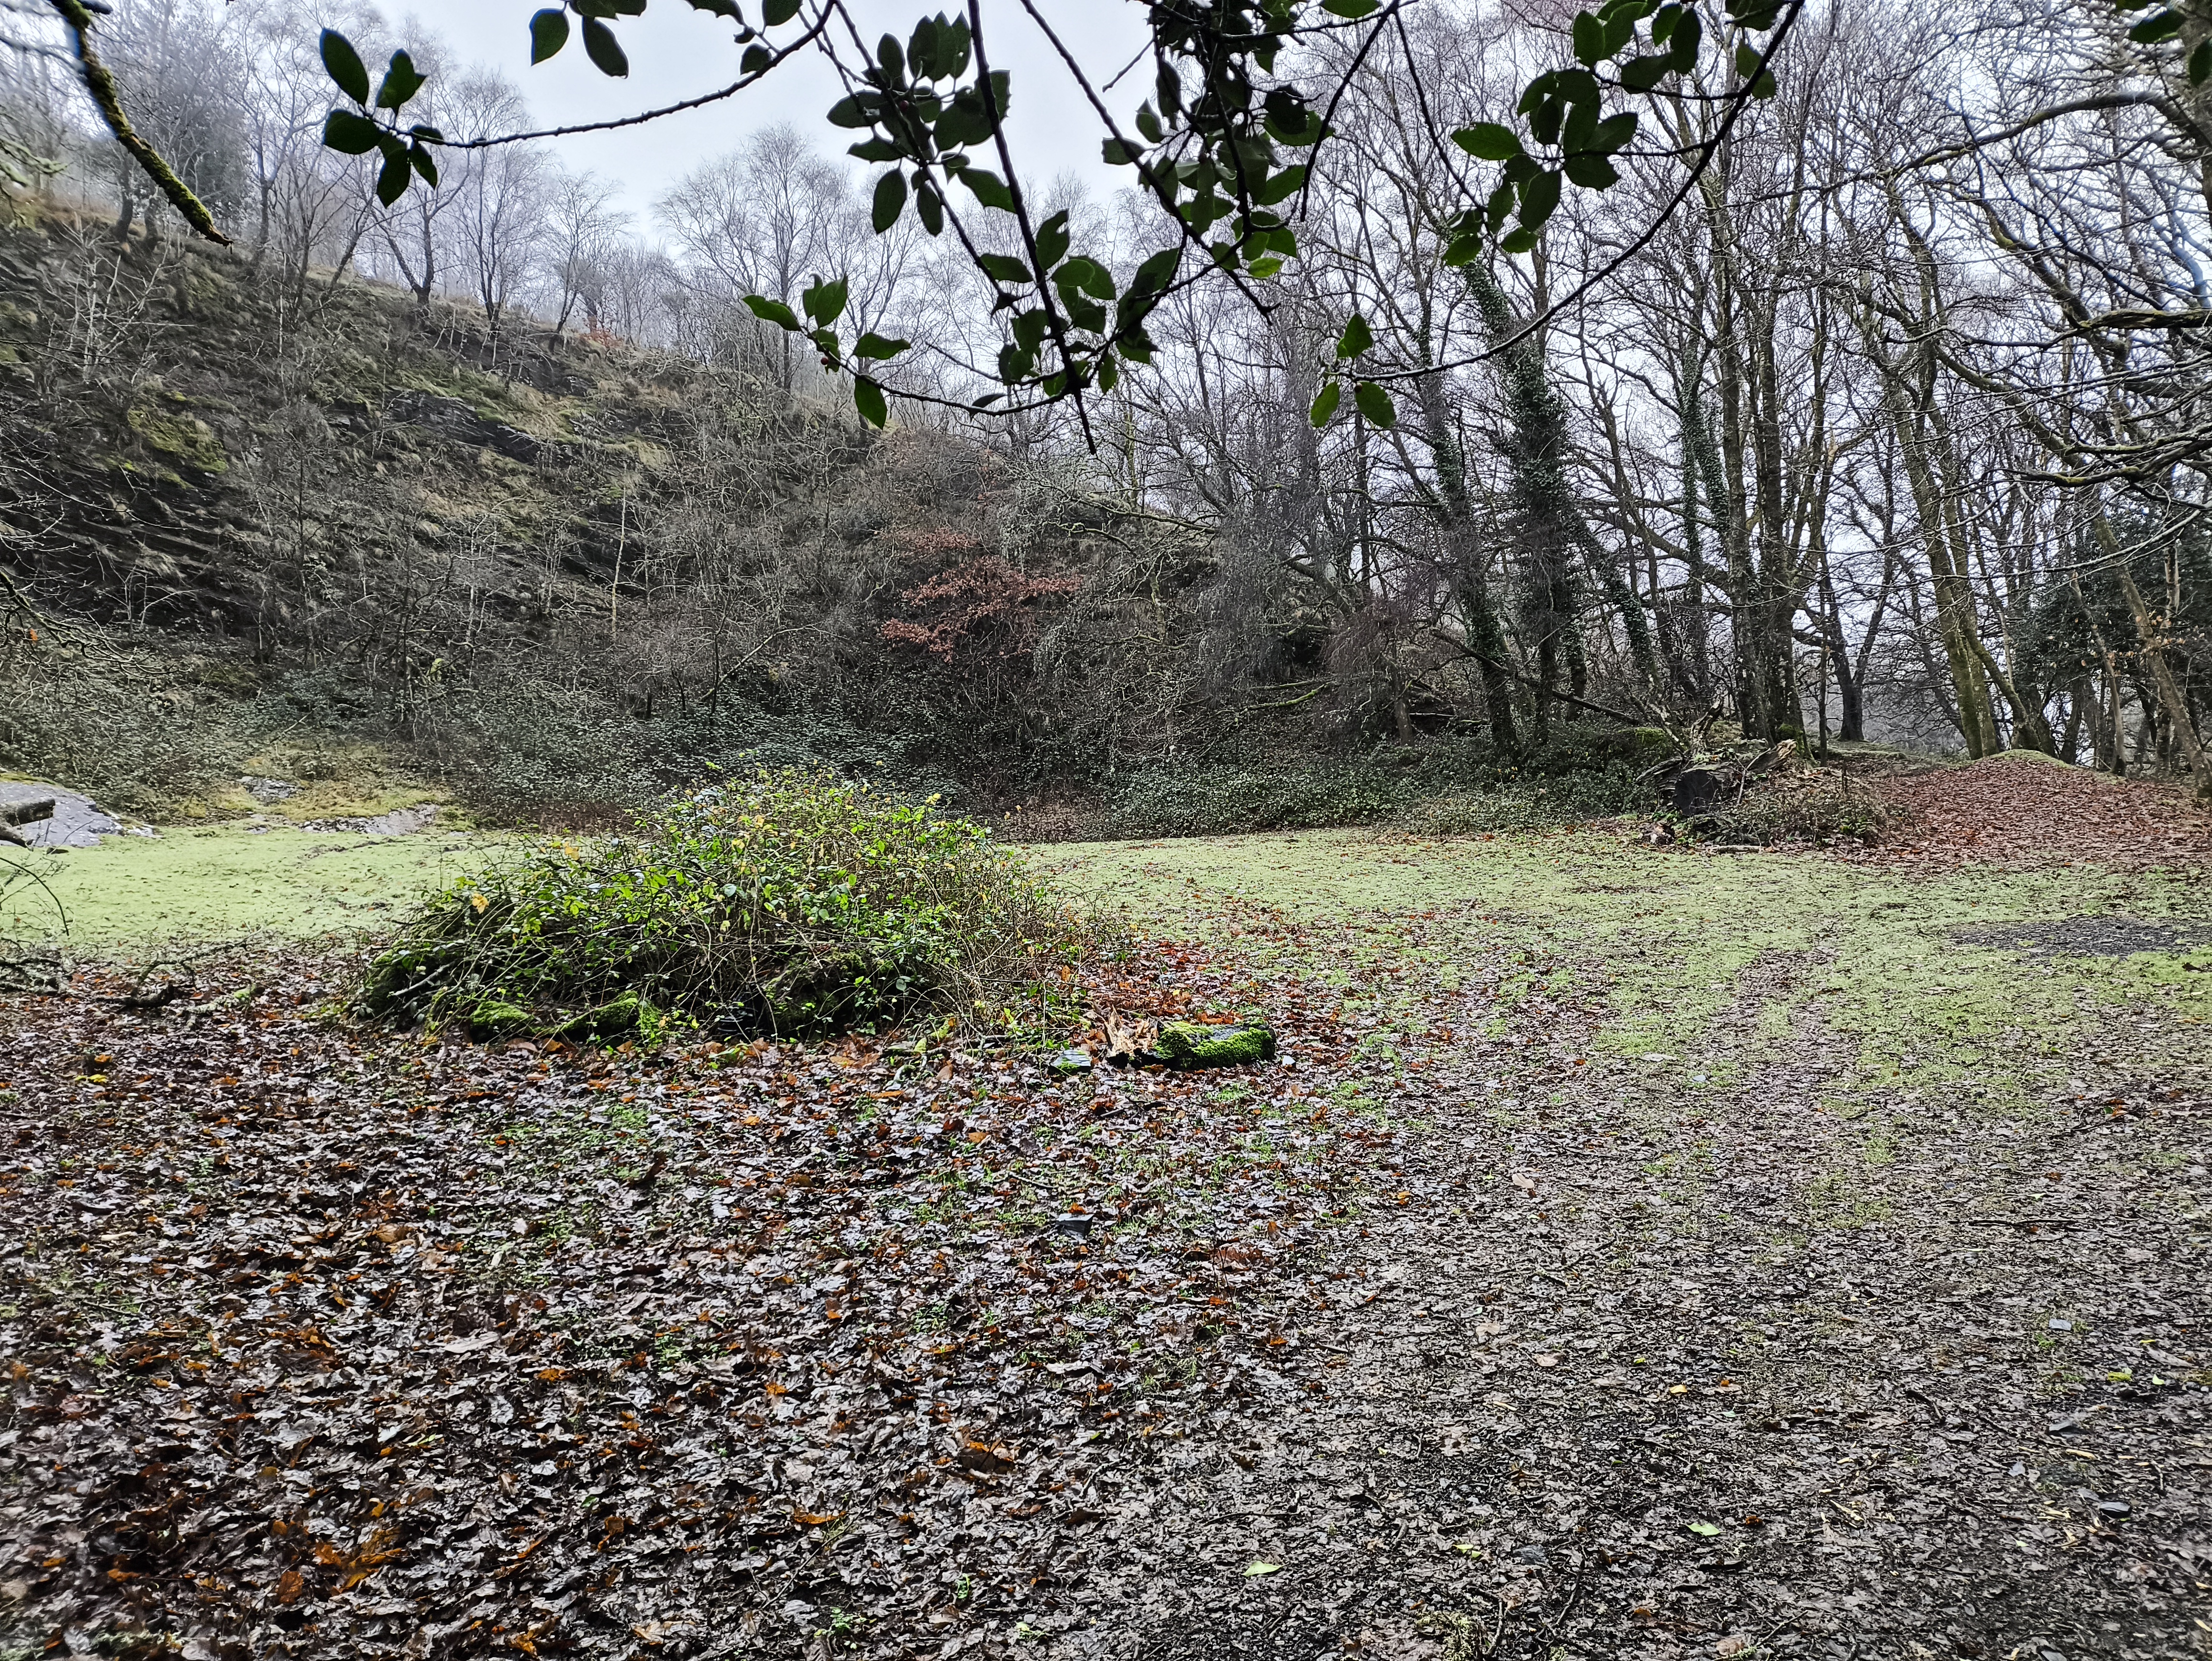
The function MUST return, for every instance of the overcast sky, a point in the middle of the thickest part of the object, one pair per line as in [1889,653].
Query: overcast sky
[675,53]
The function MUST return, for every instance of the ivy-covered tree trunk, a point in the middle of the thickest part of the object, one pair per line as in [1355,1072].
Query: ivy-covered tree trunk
[1551,524]
[1453,508]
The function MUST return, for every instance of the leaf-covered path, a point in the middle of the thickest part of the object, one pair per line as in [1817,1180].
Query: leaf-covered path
[1622,1380]
[1635,1254]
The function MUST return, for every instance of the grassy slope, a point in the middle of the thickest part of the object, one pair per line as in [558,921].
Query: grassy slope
[1662,939]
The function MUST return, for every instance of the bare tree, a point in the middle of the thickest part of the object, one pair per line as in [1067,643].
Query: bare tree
[498,225]
[581,229]
[763,220]
[311,204]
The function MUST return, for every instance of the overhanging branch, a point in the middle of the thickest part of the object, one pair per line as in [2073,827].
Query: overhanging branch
[99,83]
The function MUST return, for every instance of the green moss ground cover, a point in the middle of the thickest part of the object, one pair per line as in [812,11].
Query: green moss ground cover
[133,894]
[1660,939]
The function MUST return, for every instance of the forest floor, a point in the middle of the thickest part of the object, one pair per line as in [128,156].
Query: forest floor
[1634,1252]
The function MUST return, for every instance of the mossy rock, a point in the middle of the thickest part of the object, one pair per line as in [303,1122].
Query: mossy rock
[187,438]
[624,1015]
[495,1018]
[1188,1044]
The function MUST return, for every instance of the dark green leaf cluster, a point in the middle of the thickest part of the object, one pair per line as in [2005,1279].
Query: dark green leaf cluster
[548,29]
[1626,46]
[358,131]
[1224,143]
[792,903]
[928,105]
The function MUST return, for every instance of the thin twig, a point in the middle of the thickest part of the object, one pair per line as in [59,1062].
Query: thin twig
[738,85]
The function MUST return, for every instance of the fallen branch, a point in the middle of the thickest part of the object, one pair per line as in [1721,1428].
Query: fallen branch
[245,994]
[42,977]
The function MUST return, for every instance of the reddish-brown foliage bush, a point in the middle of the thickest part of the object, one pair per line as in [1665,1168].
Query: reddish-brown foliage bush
[984,601]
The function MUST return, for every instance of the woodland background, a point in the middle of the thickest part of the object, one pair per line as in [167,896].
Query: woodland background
[1894,432]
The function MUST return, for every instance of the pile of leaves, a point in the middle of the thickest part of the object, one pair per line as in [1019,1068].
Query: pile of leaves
[1796,804]
[794,902]
[2022,805]
[324,1338]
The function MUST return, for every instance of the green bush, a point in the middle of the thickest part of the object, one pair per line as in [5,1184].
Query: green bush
[1533,804]
[522,751]
[1199,801]
[793,903]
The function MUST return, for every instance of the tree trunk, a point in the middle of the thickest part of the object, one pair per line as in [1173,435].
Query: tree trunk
[1469,575]
[1851,705]
[2171,701]
[2078,702]
[1955,598]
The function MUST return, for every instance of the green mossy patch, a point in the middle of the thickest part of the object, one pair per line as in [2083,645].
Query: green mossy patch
[497,1018]
[183,887]
[186,440]
[1666,940]
[2034,758]
[1190,1043]
[618,1018]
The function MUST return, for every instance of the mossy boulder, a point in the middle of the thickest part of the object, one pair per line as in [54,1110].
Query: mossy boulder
[1188,1044]
[622,1017]
[495,1018]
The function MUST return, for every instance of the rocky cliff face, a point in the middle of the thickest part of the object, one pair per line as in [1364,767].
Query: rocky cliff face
[551,565]
[181,434]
